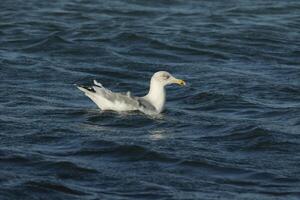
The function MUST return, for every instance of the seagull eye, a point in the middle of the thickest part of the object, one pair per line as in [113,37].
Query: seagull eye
[166,77]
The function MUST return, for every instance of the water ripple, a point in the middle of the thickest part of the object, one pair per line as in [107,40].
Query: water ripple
[232,133]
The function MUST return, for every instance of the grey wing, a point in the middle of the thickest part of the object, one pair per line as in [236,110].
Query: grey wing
[138,102]
[144,104]
[116,97]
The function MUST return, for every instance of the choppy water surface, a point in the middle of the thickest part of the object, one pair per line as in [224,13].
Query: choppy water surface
[233,133]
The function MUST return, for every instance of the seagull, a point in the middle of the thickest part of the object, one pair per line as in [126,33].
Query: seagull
[152,103]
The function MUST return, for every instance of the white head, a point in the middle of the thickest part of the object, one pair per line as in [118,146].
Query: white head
[165,78]
[157,95]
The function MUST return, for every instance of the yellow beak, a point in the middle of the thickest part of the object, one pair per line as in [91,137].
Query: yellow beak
[180,82]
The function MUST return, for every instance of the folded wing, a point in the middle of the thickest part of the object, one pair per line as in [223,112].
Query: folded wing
[108,100]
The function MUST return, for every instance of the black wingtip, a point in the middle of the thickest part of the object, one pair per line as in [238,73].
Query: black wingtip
[91,89]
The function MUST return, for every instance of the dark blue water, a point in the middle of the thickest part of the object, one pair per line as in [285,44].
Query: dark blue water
[232,133]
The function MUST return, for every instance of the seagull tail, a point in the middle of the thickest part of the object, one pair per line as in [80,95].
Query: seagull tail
[98,84]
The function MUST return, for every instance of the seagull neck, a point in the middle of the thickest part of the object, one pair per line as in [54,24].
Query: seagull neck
[157,95]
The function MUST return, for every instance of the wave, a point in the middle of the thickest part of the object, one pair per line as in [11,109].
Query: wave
[43,186]
[232,132]
[52,42]
[64,166]
[130,153]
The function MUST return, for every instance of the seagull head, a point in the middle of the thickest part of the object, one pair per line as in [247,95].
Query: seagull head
[165,78]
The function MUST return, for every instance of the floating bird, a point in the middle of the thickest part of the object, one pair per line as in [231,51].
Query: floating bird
[152,103]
